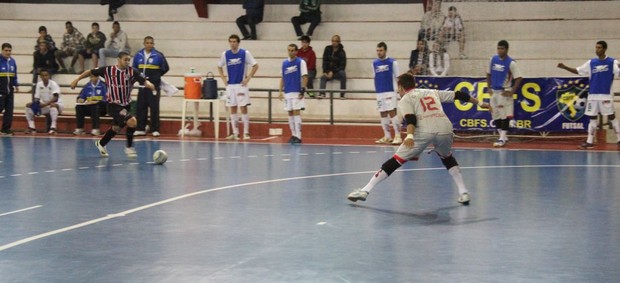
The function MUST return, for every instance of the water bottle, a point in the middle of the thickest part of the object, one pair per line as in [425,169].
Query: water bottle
[192,70]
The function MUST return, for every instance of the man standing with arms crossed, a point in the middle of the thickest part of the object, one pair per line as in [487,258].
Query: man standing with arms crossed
[293,85]
[236,61]
[601,70]
[502,70]
[386,72]
[153,65]
[119,79]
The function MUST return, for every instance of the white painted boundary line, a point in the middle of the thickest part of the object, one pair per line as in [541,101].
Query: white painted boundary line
[137,209]
[17,211]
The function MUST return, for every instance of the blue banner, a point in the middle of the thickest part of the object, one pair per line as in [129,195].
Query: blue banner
[541,104]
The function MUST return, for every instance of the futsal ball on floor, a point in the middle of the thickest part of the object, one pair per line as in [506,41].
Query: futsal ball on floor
[160,157]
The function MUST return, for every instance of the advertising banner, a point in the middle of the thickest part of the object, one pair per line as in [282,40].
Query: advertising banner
[541,104]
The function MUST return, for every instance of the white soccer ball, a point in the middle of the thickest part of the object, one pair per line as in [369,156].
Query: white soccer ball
[160,157]
[579,103]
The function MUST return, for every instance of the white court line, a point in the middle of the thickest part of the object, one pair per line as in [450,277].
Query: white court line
[137,209]
[269,138]
[17,211]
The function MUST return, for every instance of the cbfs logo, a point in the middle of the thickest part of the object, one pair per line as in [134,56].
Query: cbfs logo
[425,84]
[572,97]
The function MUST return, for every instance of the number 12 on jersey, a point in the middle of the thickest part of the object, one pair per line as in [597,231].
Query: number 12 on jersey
[428,103]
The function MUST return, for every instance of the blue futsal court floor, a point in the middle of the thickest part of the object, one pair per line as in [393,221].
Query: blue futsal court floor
[257,212]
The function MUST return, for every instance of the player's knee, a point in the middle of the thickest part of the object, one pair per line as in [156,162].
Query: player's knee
[53,110]
[132,122]
[116,129]
[390,166]
[449,162]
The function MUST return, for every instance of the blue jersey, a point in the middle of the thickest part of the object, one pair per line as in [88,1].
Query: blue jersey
[235,65]
[384,75]
[8,74]
[291,74]
[153,67]
[601,75]
[94,92]
[500,72]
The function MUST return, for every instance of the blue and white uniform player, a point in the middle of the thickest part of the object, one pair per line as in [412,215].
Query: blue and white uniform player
[602,71]
[386,71]
[502,70]
[427,124]
[237,61]
[293,84]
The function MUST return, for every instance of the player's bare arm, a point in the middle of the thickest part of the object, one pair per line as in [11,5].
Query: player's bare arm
[570,69]
[250,76]
[411,121]
[281,96]
[221,70]
[84,74]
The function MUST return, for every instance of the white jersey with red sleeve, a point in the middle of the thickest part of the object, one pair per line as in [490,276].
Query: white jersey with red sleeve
[425,104]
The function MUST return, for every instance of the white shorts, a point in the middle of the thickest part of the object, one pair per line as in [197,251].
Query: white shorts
[386,101]
[441,142]
[46,110]
[293,102]
[237,95]
[604,107]
[503,106]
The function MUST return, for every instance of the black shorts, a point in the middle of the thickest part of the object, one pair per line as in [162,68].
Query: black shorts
[120,114]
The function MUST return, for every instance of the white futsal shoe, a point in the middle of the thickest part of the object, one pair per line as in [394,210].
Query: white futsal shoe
[464,199]
[131,152]
[397,140]
[357,195]
[102,150]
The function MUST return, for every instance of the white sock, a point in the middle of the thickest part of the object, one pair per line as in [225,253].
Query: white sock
[298,126]
[291,124]
[503,135]
[616,125]
[396,125]
[376,179]
[385,125]
[54,116]
[234,122]
[30,117]
[592,130]
[455,172]
[246,123]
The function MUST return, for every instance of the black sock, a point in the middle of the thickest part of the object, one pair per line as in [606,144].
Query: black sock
[107,137]
[130,132]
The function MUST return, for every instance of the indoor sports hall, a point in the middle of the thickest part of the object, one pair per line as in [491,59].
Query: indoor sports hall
[274,212]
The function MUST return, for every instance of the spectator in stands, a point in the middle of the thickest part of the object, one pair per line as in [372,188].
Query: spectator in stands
[113,7]
[292,86]
[310,13]
[602,70]
[237,60]
[114,44]
[307,54]
[418,61]
[72,45]
[44,59]
[253,15]
[153,65]
[45,37]
[502,70]
[92,102]
[432,22]
[46,101]
[386,74]
[439,60]
[8,86]
[334,65]
[453,29]
[94,41]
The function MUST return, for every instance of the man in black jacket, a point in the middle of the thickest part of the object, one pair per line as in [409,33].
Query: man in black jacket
[253,15]
[334,65]
[310,13]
